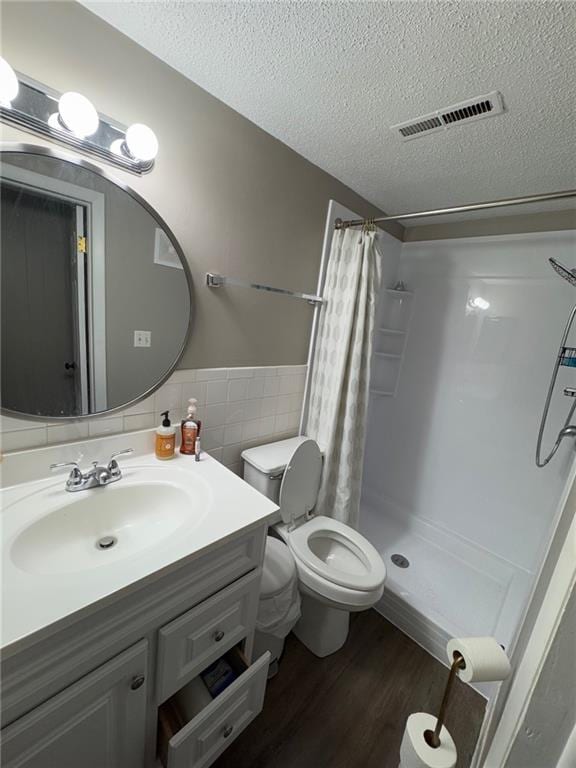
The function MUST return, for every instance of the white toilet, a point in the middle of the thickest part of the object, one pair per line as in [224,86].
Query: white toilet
[338,569]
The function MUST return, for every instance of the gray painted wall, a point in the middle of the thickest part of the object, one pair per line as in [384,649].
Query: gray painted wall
[140,295]
[239,201]
[551,714]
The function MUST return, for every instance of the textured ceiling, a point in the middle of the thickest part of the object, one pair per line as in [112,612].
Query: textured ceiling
[328,79]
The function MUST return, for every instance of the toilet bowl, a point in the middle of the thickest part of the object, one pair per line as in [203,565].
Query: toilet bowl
[339,571]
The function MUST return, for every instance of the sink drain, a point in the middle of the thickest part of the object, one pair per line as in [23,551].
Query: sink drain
[106,542]
[400,561]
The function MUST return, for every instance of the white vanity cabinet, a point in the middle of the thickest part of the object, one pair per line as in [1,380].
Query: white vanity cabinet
[98,722]
[89,693]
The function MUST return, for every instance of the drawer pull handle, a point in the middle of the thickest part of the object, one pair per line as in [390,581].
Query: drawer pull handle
[227,731]
[137,682]
[219,635]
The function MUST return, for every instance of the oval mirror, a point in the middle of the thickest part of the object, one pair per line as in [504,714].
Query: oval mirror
[96,292]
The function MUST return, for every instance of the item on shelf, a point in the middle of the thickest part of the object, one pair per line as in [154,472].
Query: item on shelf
[218,676]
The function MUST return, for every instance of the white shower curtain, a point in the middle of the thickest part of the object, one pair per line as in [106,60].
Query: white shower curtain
[341,370]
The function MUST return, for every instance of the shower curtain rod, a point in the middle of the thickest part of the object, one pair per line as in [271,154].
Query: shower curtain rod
[340,224]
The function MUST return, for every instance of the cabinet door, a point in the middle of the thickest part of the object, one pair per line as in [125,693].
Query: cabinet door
[99,722]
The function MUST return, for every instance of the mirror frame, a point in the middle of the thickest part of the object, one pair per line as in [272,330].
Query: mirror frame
[9,147]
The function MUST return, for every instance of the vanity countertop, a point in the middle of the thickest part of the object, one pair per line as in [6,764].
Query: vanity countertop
[161,513]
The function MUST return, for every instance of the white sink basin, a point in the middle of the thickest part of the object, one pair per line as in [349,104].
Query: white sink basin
[157,516]
[101,526]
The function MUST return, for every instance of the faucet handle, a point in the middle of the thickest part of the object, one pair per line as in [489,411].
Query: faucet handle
[75,477]
[113,467]
[63,464]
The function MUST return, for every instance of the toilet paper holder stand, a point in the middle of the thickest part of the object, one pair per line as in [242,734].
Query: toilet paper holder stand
[432,738]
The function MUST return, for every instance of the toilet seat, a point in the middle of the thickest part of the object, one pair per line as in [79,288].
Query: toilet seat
[341,598]
[337,553]
[321,545]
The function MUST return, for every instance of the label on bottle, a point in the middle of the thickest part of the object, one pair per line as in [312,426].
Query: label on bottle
[165,445]
[188,444]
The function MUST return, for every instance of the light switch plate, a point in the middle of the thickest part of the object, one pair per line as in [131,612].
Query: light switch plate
[142,338]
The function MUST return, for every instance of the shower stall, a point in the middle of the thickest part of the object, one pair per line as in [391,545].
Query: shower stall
[468,334]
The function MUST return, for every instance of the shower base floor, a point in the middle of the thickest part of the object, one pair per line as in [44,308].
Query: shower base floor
[450,588]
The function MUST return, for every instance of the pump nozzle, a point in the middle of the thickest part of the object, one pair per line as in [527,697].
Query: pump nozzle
[165,420]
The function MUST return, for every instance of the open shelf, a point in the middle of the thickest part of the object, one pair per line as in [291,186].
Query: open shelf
[390,342]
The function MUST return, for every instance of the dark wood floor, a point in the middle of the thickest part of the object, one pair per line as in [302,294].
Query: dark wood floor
[349,709]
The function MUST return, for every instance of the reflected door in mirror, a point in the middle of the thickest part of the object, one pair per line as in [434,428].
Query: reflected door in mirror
[43,317]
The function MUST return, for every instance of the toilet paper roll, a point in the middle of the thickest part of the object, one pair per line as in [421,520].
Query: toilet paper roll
[485,660]
[416,753]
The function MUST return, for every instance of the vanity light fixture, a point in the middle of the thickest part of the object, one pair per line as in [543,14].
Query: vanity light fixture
[77,114]
[8,84]
[71,118]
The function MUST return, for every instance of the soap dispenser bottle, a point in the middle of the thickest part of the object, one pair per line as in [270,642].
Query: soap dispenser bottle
[165,439]
[190,428]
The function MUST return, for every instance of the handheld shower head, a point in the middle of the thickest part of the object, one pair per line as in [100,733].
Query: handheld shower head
[567,274]
[569,431]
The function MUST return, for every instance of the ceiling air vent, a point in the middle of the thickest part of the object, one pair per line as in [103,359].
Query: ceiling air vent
[468,111]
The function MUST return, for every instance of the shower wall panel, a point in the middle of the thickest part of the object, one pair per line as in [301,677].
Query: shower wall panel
[454,448]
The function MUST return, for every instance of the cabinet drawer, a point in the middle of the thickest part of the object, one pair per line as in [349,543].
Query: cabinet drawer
[194,640]
[199,742]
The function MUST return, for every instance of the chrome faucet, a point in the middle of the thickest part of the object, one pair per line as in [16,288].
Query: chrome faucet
[97,477]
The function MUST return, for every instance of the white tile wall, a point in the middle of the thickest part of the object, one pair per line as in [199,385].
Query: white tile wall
[239,408]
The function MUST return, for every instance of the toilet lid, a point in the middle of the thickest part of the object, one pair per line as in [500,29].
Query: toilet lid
[301,482]
[278,569]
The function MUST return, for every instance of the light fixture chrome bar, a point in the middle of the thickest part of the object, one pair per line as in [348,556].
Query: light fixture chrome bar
[31,111]
[214,280]
[504,202]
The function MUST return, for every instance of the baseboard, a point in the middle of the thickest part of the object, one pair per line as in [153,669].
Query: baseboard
[427,634]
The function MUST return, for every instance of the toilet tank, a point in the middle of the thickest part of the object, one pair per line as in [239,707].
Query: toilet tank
[264,465]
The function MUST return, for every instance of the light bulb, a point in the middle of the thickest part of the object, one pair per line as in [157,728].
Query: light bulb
[117,147]
[141,142]
[8,83]
[78,114]
[479,303]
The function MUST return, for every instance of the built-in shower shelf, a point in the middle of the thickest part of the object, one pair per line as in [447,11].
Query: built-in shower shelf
[390,342]
[568,357]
